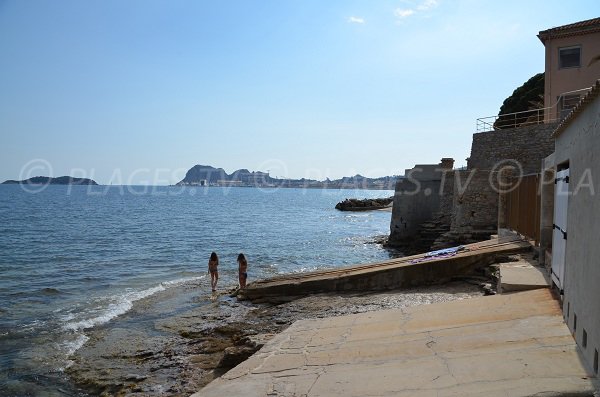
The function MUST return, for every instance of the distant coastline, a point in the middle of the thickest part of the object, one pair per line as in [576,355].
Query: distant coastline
[206,175]
[46,180]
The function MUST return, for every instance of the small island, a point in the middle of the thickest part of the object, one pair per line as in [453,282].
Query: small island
[47,180]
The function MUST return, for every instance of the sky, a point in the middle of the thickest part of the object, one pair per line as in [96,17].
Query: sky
[139,91]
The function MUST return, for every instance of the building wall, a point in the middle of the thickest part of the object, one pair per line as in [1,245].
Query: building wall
[529,145]
[558,81]
[547,210]
[579,144]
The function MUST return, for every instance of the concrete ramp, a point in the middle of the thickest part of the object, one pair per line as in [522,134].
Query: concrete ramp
[505,345]
[397,273]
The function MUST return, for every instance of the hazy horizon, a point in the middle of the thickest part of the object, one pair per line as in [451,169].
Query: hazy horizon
[144,90]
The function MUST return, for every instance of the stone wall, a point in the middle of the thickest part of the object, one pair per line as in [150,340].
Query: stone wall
[469,198]
[416,200]
[414,203]
[528,145]
[475,201]
[465,202]
[447,198]
[474,210]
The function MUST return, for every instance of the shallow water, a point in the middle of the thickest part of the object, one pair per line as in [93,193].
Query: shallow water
[75,257]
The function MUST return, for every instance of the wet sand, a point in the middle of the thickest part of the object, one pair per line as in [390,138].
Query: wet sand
[177,341]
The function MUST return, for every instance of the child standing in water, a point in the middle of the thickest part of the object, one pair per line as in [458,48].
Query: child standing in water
[243,270]
[213,264]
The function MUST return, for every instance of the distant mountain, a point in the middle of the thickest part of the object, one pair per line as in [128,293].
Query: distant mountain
[46,180]
[206,175]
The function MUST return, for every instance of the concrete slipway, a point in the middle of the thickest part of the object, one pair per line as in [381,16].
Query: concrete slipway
[395,273]
[504,345]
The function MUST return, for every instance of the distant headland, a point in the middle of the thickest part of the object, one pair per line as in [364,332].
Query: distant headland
[206,175]
[47,180]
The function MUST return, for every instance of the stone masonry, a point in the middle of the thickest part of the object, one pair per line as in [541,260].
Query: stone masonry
[528,145]
[473,215]
[417,199]
[464,206]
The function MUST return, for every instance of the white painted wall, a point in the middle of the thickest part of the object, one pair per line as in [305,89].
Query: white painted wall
[579,144]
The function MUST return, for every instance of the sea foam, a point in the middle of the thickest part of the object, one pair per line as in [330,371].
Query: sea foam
[121,304]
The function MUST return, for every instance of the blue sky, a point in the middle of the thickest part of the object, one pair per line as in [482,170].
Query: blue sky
[140,91]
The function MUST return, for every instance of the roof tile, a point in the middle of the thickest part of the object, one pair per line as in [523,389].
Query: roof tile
[587,26]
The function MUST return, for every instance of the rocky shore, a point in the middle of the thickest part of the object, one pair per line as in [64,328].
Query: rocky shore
[364,204]
[174,343]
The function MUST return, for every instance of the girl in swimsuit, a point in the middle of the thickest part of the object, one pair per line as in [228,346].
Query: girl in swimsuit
[242,269]
[213,264]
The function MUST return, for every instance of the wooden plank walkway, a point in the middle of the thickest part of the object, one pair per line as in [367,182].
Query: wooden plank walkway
[396,273]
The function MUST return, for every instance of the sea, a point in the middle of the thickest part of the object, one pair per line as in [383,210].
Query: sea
[73,258]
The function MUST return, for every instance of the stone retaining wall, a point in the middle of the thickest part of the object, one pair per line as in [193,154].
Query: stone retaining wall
[475,201]
[528,145]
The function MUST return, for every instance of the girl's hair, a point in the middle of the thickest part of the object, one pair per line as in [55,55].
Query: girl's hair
[214,257]
[241,257]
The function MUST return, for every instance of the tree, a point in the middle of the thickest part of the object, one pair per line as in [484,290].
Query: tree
[527,98]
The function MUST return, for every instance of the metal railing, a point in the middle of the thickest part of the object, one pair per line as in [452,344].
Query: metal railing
[528,117]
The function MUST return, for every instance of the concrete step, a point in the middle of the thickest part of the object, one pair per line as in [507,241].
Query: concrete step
[522,274]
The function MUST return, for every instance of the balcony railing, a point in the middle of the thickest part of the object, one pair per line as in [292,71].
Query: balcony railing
[532,117]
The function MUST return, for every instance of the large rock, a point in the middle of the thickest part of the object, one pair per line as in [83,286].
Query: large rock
[364,205]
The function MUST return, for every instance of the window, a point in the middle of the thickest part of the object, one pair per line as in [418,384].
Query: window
[569,57]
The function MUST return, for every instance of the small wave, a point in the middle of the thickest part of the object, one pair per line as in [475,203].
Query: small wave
[5,331]
[73,345]
[182,281]
[65,317]
[361,215]
[32,326]
[123,303]
[50,291]
[306,269]
[19,294]
[90,278]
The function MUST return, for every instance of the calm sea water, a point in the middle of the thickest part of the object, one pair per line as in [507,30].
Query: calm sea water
[75,257]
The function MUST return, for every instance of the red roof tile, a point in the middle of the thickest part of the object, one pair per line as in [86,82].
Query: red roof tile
[581,27]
